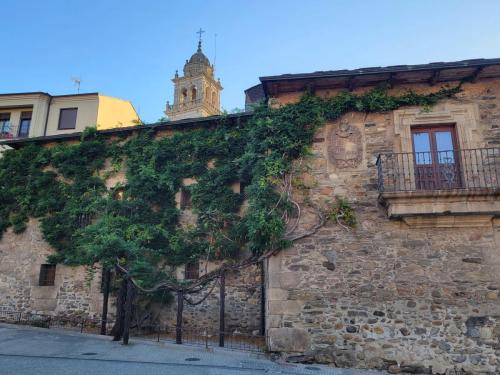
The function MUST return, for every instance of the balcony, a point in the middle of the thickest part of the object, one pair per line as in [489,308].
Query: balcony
[8,131]
[445,188]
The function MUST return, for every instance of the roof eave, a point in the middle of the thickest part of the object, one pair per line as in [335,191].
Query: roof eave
[179,124]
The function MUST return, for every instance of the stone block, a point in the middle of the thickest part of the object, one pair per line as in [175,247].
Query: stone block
[274,279]
[284,307]
[289,280]
[276,294]
[273,321]
[288,340]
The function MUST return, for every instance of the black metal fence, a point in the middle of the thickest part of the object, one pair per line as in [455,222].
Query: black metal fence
[187,336]
[204,338]
[77,324]
[442,170]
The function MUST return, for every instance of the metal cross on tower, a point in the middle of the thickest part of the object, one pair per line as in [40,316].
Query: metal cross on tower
[200,32]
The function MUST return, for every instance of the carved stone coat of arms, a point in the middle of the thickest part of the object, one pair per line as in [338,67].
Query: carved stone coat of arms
[345,146]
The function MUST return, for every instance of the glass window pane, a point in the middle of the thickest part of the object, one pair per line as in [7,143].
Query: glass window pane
[24,128]
[67,118]
[444,147]
[422,148]
[5,126]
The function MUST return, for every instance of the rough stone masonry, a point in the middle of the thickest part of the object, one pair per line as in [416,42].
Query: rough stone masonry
[420,295]
[413,293]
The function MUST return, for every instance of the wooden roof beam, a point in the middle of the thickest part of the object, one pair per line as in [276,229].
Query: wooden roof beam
[390,80]
[435,77]
[350,83]
[475,76]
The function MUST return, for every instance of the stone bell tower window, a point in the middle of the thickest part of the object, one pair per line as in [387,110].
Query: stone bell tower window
[193,93]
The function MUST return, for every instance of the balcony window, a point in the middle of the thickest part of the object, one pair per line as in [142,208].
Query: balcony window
[67,118]
[435,158]
[24,124]
[5,126]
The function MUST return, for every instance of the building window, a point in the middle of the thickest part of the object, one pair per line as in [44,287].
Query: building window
[193,93]
[67,118]
[185,199]
[5,127]
[184,95]
[24,125]
[192,270]
[436,159]
[47,275]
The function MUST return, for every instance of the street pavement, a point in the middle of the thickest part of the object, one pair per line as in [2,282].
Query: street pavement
[39,351]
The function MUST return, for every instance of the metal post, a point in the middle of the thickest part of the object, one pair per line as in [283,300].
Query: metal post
[222,307]
[105,297]
[178,326]
[128,311]
[262,299]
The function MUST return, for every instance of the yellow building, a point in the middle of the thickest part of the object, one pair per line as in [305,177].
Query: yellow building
[36,114]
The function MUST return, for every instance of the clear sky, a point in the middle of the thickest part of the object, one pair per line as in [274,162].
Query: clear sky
[131,49]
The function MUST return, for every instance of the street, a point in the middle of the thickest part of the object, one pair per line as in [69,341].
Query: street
[27,350]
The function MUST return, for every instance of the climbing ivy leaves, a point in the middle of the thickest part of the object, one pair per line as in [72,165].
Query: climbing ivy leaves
[65,186]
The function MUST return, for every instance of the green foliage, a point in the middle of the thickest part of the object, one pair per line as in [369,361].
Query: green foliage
[342,212]
[65,187]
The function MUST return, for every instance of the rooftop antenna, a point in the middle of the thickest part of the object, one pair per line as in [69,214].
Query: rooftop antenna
[77,82]
[215,49]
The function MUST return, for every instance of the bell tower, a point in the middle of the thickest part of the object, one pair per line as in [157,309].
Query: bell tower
[196,93]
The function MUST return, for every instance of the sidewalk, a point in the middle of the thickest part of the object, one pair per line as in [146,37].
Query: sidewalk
[29,350]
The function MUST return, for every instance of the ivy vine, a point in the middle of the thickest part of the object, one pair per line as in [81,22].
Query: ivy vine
[65,187]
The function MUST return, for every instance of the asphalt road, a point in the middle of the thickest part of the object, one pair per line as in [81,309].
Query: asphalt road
[38,351]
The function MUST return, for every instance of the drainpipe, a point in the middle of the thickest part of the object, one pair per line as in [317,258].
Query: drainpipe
[47,116]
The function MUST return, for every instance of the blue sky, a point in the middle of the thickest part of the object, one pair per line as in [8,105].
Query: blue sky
[131,49]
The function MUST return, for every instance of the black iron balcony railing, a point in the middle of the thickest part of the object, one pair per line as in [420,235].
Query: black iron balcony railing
[11,131]
[442,170]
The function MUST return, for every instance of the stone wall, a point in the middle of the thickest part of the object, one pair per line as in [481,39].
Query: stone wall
[382,294]
[242,305]
[386,294]
[21,256]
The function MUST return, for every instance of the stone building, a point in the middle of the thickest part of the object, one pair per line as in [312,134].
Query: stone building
[29,284]
[417,282]
[414,286]
[197,93]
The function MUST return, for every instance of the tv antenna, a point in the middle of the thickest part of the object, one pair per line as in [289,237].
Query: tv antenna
[215,48]
[77,82]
